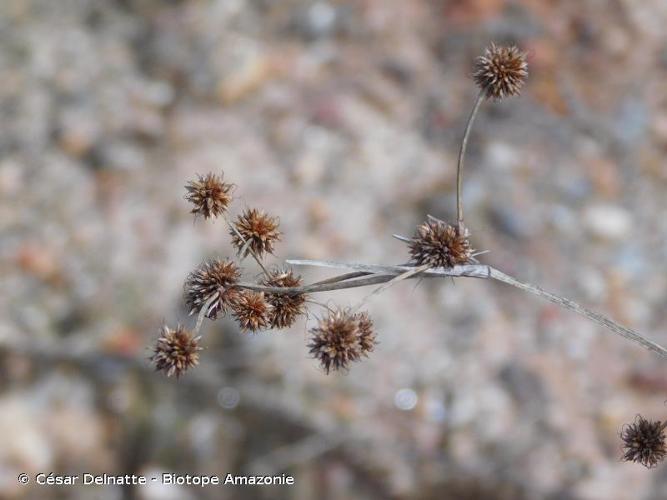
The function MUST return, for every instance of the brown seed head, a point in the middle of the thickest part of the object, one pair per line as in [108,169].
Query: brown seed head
[175,351]
[644,442]
[439,244]
[258,230]
[366,332]
[285,308]
[501,71]
[215,280]
[209,195]
[252,311]
[341,338]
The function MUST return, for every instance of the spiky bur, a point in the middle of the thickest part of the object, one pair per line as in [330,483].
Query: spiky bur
[439,244]
[501,71]
[366,333]
[252,311]
[285,309]
[256,231]
[340,338]
[209,195]
[175,351]
[644,441]
[213,280]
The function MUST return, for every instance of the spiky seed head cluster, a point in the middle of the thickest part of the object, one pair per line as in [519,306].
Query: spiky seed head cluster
[366,333]
[340,338]
[213,280]
[175,351]
[252,311]
[285,308]
[209,195]
[256,231]
[644,441]
[501,71]
[439,244]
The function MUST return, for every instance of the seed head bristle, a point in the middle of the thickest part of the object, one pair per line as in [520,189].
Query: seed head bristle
[286,308]
[366,333]
[215,278]
[501,71]
[644,441]
[175,351]
[209,195]
[439,244]
[258,232]
[252,311]
[341,338]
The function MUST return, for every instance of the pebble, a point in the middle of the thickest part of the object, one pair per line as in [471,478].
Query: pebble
[606,221]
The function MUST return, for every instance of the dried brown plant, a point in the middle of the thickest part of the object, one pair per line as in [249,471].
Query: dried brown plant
[644,441]
[342,336]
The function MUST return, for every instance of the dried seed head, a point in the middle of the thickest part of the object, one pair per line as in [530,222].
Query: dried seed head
[213,280]
[644,442]
[209,195]
[252,311]
[285,308]
[340,338]
[175,351]
[258,231]
[439,244]
[501,71]
[366,332]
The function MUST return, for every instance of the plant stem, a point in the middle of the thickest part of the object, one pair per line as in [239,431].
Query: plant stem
[376,275]
[462,152]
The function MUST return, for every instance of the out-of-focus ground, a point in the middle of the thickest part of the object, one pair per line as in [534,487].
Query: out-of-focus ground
[342,118]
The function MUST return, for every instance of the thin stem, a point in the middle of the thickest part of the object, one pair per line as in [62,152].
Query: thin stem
[375,279]
[203,312]
[412,273]
[573,306]
[462,152]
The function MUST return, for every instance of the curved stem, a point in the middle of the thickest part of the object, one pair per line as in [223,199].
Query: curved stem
[462,152]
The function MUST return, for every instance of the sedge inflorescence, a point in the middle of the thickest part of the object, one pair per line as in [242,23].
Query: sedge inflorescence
[209,195]
[255,231]
[501,71]
[277,300]
[175,351]
[644,441]
[340,338]
[439,244]
[212,285]
[285,308]
[214,288]
[343,336]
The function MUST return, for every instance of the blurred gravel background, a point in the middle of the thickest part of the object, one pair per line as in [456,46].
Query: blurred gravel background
[342,118]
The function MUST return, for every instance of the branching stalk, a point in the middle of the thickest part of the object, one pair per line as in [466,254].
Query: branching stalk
[462,152]
[388,275]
